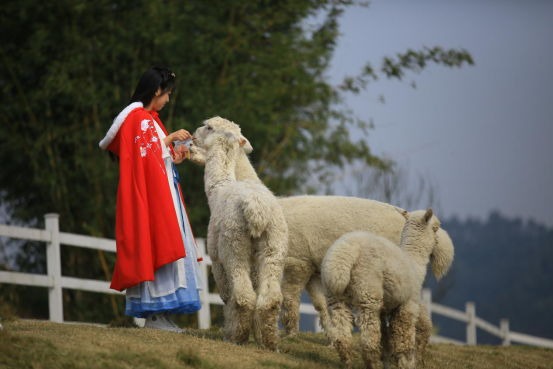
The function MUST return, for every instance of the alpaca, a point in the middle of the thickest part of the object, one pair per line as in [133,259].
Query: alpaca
[246,224]
[379,280]
[314,223]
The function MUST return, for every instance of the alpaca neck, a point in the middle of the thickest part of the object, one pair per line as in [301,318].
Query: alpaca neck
[219,168]
[244,168]
[414,247]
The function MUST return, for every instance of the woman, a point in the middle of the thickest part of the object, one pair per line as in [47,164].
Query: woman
[157,259]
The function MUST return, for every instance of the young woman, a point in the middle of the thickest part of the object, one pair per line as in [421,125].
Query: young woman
[157,259]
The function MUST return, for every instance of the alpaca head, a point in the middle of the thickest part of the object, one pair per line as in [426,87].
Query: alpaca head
[218,131]
[197,148]
[419,233]
[442,253]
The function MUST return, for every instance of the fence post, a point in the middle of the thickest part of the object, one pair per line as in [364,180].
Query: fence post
[427,301]
[317,327]
[504,328]
[53,266]
[470,309]
[204,315]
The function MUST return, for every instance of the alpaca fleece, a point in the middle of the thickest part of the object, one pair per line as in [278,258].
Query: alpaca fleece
[314,223]
[247,231]
[380,280]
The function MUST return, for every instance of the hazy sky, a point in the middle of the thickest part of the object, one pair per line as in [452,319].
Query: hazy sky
[482,133]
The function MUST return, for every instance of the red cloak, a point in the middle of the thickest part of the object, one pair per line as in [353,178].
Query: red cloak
[148,235]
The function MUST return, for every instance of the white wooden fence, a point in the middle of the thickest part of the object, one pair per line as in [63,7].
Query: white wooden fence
[55,282]
[469,317]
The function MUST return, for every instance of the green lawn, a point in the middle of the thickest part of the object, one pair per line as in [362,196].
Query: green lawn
[38,344]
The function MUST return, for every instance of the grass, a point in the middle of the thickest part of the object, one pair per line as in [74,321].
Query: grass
[39,344]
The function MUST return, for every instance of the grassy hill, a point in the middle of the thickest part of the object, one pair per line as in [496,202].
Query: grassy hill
[39,344]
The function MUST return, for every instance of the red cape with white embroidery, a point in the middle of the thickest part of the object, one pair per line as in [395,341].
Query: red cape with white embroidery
[148,235]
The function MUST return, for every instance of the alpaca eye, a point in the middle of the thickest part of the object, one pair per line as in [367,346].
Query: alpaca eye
[209,128]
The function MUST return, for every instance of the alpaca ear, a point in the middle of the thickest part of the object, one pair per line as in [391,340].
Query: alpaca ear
[428,215]
[247,147]
[231,138]
[442,254]
[403,212]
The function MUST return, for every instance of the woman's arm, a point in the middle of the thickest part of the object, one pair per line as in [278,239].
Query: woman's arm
[179,135]
[168,139]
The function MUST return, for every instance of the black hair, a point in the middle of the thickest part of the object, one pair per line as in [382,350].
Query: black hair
[154,78]
[157,76]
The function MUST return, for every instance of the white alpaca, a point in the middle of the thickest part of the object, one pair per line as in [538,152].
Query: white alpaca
[379,280]
[246,226]
[314,223]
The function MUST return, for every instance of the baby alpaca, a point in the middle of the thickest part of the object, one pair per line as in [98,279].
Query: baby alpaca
[246,227]
[380,280]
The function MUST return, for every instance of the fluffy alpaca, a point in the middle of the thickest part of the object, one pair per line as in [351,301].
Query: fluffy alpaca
[246,226]
[314,223]
[379,280]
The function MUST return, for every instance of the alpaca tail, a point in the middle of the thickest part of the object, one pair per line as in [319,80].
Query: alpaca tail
[257,211]
[337,265]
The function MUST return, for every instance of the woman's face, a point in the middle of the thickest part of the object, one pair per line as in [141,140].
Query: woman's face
[159,101]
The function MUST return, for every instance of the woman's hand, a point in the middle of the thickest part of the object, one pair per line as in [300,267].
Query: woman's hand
[180,155]
[178,158]
[179,135]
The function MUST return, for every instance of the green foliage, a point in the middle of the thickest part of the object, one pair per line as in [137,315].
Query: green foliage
[67,68]
[7,312]
[26,302]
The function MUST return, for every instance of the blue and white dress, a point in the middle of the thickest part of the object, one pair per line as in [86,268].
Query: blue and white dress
[176,285]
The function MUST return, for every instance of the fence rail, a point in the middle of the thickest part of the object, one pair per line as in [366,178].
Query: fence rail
[55,282]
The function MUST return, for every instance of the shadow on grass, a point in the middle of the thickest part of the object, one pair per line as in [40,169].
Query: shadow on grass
[191,359]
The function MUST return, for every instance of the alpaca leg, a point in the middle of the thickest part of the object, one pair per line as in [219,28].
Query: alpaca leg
[385,342]
[296,275]
[217,268]
[368,321]
[315,291]
[403,332]
[254,276]
[423,332]
[239,310]
[341,326]
[273,247]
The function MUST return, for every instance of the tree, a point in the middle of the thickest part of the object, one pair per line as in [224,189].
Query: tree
[392,186]
[67,68]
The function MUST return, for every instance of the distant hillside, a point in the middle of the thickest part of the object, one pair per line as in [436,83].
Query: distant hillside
[506,267]
[33,344]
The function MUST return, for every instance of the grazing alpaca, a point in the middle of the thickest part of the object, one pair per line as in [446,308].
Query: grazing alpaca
[247,228]
[379,280]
